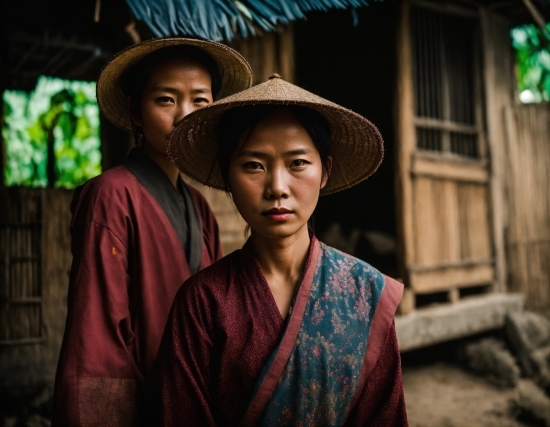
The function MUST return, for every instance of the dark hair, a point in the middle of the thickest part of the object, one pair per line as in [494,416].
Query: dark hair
[133,81]
[235,122]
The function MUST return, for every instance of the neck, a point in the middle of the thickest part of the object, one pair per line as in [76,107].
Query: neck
[283,257]
[165,164]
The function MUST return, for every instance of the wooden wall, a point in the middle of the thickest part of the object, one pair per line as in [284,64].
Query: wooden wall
[527,179]
[28,358]
[269,53]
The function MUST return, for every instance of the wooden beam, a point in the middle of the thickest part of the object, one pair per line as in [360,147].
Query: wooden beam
[446,125]
[449,169]
[537,16]
[445,278]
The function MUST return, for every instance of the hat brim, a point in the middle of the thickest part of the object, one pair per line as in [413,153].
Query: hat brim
[356,144]
[235,73]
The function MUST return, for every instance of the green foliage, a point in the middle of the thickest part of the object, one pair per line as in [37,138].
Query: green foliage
[60,115]
[533,62]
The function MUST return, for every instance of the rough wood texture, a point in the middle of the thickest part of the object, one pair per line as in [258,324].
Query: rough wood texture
[26,362]
[269,53]
[448,278]
[450,169]
[499,84]
[527,180]
[20,281]
[404,144]
[443,198]
[451,221]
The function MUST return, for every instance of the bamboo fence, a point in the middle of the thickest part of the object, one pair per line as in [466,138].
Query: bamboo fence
[527,184]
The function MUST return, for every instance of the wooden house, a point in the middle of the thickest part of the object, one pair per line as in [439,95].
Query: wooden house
[459,209]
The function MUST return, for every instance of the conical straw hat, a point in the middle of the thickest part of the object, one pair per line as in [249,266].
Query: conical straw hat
[235,73]
[356,144]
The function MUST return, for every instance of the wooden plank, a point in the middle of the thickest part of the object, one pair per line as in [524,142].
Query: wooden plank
[448,213]
[425,218]
[438,167]
[405,142]
[450,277]
[474,218]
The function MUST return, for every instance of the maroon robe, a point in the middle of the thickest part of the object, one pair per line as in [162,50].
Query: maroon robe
[222,330]
[128,263]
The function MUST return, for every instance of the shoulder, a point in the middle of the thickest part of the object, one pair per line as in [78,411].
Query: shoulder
[212,280]
[364,274]
[110,192]
[347,262]
[112,180]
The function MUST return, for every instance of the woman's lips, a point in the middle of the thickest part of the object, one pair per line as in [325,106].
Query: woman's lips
[277,214]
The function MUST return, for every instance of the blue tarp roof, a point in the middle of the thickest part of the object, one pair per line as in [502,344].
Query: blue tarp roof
[223,19]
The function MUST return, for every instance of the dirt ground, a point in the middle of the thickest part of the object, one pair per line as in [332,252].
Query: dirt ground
[443,394]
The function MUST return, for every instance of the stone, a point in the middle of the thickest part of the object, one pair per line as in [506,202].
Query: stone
[432,325]
[529,336]
[490,358]
[532,401]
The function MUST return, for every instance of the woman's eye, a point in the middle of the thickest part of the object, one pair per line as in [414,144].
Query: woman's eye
[202,101]
[299,163]
[165,100]
[253,165]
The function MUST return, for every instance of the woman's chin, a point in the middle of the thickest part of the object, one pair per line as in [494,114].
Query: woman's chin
[279,232]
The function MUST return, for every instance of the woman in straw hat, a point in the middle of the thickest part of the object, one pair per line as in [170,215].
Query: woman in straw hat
[138,231]
[286,331]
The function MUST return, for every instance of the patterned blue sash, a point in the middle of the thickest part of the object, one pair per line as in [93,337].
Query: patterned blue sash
[323,373]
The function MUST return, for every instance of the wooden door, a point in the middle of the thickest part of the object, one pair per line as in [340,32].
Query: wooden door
[442,165]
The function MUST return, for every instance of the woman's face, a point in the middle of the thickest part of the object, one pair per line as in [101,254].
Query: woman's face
[175,88]
[276,176]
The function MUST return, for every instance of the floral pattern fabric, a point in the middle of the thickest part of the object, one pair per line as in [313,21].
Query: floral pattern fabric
[323,372]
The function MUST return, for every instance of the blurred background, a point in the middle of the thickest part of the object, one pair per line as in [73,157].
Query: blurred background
[459,211]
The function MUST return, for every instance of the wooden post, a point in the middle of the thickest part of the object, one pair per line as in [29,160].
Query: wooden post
[405,143]
[497,73]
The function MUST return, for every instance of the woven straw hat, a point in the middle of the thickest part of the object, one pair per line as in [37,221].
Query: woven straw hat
[356,144]
[234,70]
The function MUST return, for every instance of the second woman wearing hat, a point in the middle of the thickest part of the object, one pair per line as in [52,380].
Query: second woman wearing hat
[138,231]
[286,331]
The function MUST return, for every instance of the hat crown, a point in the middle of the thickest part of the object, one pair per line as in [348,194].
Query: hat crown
[276,90]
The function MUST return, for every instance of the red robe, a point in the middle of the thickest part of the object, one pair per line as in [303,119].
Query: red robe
[223,328]
[128,263]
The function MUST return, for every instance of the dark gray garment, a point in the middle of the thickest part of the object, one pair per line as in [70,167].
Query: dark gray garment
[178,205]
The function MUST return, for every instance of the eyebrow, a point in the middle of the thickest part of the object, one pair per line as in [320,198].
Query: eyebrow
[170,89]
[260,154]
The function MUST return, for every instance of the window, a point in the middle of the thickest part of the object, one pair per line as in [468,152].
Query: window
[446,83]
[51,135]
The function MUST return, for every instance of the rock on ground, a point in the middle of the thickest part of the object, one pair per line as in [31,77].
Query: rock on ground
[489,357]
[529,335]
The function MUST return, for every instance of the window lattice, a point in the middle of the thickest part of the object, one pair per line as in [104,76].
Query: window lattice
[444,67]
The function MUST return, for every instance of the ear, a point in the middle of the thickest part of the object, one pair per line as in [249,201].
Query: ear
[326,173]
[136,119]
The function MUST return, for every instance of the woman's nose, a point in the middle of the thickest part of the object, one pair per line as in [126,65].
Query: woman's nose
[183,110]
[276,185]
